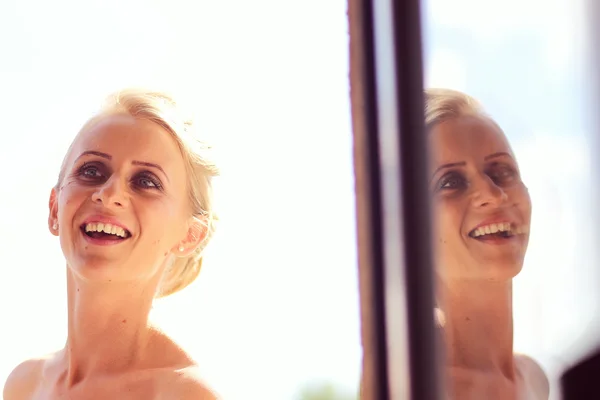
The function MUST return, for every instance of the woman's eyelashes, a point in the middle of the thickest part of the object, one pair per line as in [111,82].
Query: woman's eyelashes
[502,174]
[452,180]
[98,173]
[147,180]
[92,171]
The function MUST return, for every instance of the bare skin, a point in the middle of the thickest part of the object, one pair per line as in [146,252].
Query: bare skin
[475,182]
[130,171]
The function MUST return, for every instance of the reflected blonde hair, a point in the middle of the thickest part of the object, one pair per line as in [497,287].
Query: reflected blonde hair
[445,104]
[163,110]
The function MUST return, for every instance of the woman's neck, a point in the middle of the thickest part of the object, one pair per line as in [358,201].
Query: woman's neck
[107,328]
[478,327]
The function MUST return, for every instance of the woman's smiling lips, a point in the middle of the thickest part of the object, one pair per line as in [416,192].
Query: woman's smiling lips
[497,231]
[104,231]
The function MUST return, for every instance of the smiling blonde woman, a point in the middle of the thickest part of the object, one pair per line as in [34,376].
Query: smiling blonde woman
[133,209]
[482,215]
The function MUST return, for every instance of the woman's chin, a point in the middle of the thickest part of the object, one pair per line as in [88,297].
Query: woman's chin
[95,268]
[502,269]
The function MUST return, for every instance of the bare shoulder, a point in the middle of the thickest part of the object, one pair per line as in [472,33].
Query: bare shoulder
[187,384]
[533,374]
[22,381]
[180,376]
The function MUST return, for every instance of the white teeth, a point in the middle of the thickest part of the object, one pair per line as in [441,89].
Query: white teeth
[498,227]
[106,228]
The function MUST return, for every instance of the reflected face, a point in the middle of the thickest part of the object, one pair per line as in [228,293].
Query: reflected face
[482,209]
[122,207]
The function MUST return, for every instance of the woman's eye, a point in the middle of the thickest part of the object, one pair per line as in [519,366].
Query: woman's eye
[147,182]
[502,174]
[90,171]
[93,172]
[451,181]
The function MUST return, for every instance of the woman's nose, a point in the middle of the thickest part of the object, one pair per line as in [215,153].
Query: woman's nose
[487,193]
[112,194]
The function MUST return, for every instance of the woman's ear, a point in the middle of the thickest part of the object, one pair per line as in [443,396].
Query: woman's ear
[53,212]
[196,233]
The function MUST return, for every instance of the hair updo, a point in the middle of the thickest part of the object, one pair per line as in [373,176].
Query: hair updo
[163,110]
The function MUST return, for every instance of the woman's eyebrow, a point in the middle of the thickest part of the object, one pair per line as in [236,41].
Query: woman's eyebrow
[94,153]
[499,154]
[109,157]
[449,165]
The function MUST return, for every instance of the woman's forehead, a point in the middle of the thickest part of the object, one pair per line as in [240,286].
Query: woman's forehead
[126,134]
[465,138]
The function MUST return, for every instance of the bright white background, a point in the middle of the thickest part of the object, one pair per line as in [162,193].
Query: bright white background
[276,305]
[526,61]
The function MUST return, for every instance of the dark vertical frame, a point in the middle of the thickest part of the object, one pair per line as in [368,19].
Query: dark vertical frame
[392,201]
[374,381]
[403,157]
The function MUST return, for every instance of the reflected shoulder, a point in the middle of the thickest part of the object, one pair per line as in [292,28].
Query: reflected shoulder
[534,374]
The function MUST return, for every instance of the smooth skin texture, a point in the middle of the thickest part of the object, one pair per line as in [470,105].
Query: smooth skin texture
[131,171]
[475,180]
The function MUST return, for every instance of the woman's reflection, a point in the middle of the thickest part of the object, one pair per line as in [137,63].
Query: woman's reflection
[482,214]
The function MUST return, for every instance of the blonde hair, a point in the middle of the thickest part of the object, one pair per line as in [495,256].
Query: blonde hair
[444,104]
[163,110]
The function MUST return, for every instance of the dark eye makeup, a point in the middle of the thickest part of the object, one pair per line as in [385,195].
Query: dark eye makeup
[147,180]
[502,173]
[91,171]
[452,180]
[96,172]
